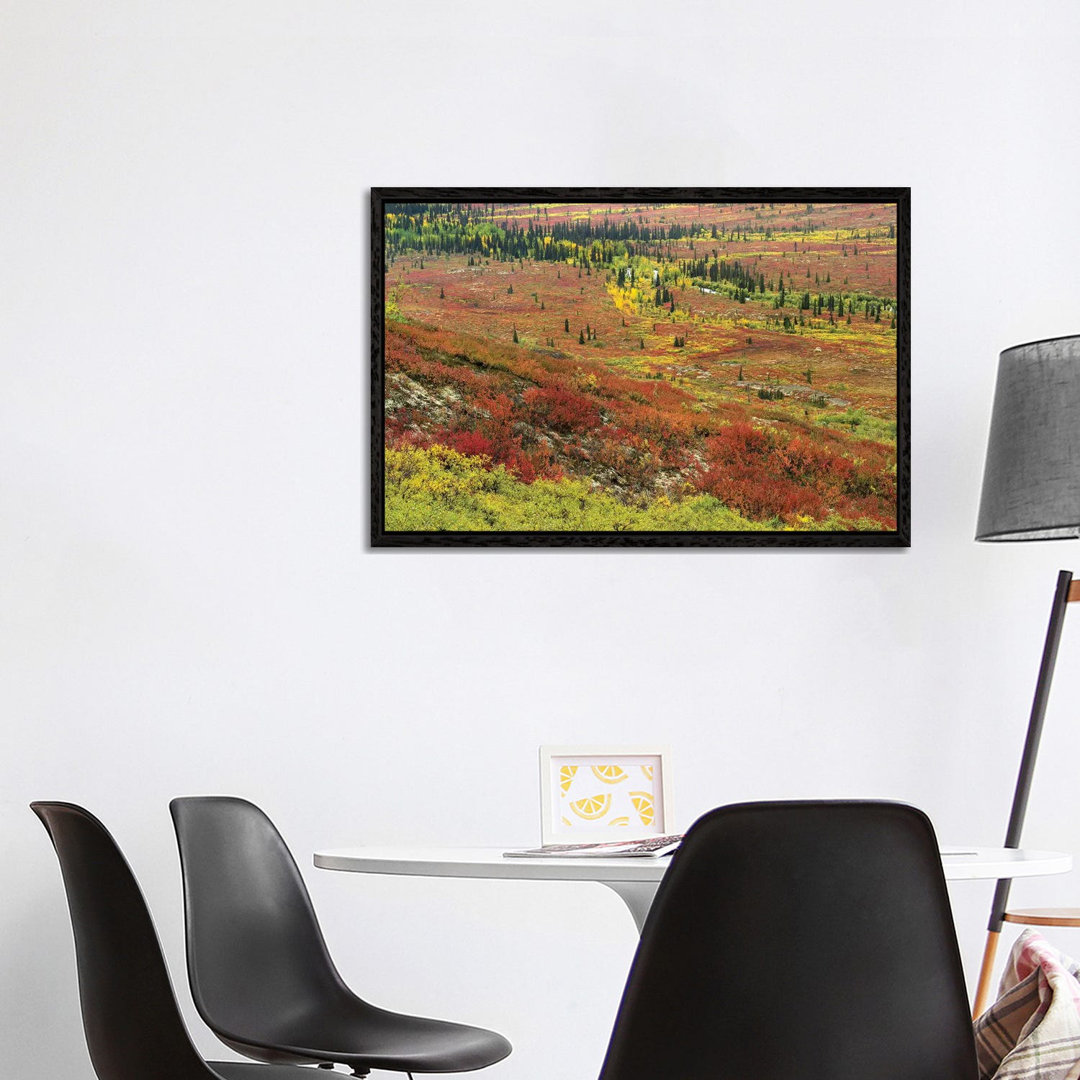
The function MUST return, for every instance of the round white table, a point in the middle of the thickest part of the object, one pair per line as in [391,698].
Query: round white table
[636,879]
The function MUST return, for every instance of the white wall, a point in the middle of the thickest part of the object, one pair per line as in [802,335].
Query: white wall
[186,601]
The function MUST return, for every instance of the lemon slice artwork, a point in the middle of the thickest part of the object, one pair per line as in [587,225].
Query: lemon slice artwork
[609,774]
[643,804]
[592,808]
[624,820]
[566,777]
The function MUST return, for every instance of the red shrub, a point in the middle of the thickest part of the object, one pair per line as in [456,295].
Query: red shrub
[771,472]
[471,443]
[561,410]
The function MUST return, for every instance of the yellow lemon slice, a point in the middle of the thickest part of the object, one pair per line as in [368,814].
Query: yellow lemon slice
[646,771]
[591,808]
[566,777]
[619,820]
[609,774]
[643,804]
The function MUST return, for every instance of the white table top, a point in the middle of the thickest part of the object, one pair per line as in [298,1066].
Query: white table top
[960,864]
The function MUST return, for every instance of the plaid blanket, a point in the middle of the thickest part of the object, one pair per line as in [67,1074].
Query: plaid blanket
[1032,1031]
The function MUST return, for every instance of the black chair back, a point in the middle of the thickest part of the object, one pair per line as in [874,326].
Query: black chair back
[132,1023]
[256,954]
[259,969]
[798,941]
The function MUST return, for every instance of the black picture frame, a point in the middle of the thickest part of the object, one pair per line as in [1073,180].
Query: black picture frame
[382,536]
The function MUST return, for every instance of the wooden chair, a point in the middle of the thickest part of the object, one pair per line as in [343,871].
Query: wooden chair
[1050,916]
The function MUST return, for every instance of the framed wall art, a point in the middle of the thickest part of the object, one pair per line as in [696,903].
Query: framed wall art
[596,793]
[640,367]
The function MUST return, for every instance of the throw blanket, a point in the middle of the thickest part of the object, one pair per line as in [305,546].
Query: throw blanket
[1032,1031]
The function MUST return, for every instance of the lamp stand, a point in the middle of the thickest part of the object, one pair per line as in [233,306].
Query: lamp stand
[1066,592]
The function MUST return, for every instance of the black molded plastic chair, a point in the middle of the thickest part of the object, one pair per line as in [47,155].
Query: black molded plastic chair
[798,941]
[133,1026]
[260,973]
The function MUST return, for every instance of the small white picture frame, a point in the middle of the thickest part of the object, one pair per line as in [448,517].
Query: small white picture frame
[596,793]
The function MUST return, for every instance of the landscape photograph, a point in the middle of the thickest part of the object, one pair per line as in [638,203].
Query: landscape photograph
[695,371]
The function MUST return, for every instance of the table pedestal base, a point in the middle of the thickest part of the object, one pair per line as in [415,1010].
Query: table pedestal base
[637,896]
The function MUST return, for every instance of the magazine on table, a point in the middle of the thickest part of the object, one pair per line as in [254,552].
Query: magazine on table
[649,847]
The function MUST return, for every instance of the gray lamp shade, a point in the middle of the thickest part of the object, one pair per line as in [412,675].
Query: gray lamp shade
[1031,485]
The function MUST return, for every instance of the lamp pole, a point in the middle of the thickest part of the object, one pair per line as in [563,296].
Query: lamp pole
[1064,593]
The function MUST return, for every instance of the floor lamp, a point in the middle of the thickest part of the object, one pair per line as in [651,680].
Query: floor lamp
[1031,491]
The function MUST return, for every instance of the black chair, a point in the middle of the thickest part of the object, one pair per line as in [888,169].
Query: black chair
[798,941]
[133,1026]
[259,969]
